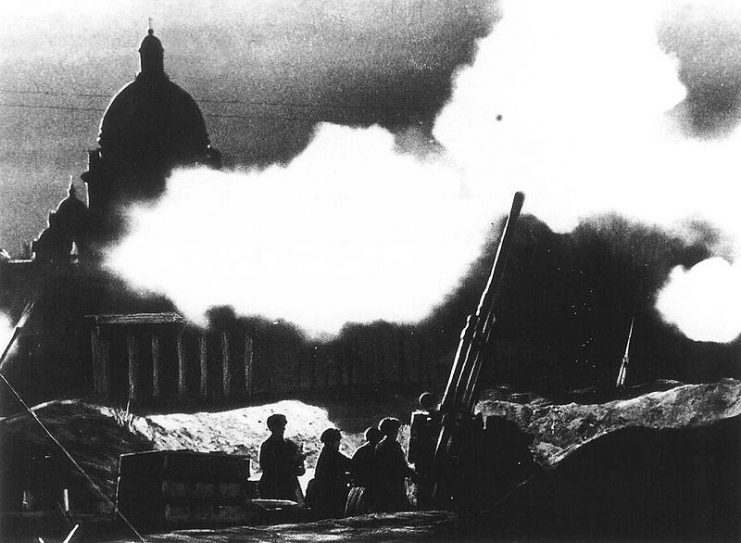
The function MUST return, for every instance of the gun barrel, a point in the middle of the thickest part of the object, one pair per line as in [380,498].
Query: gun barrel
[459,391]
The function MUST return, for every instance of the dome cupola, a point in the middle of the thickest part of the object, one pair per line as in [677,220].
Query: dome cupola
[151,55]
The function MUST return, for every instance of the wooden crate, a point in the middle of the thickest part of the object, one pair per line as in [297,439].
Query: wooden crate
[171,489]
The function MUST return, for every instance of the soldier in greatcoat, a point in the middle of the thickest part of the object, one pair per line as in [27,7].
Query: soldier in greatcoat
[281,462]
[391,469]
[362,473]
[331,478]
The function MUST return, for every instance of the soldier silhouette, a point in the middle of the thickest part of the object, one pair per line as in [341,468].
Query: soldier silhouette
[391,469]
[360,500]
[331,478]
[281,462]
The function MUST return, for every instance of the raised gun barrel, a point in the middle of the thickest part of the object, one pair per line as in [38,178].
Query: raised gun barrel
[461,390]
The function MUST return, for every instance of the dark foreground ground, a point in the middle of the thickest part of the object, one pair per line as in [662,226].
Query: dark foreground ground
[410,526]
[663,466]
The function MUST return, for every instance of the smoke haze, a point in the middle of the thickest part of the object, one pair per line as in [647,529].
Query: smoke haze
[567,101]
[704,301]
[350,231]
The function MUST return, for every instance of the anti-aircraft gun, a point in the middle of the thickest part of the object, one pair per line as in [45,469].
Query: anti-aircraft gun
[446,445]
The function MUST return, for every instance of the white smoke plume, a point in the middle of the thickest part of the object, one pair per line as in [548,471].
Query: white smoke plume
[704,301]
[566,101]
[350,231]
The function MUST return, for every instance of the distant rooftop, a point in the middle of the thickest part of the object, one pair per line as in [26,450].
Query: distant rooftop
[137,318]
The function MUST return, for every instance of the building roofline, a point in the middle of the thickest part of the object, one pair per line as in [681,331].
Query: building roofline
[137,318]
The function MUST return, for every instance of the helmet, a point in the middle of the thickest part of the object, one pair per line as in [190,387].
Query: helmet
[427,400]
[373,434]
[389,426]
[330,435]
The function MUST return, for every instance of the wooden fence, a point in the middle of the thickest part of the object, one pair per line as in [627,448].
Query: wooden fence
[159,358]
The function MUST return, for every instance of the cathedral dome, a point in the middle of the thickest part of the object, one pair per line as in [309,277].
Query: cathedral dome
[150,127]
[151,119]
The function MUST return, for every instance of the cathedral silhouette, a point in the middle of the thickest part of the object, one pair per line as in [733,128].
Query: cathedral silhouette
[87,332]
[150,127]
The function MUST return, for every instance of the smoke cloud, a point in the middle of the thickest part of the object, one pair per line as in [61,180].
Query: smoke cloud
[566,101]
[350,231]
[704,301]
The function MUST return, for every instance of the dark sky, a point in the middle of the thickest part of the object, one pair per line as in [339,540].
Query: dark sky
[264,73]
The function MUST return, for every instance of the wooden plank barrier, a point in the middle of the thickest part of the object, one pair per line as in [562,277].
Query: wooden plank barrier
[165,490]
